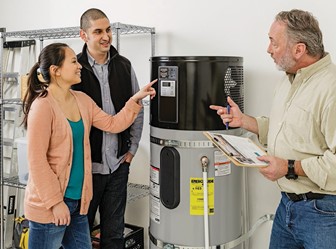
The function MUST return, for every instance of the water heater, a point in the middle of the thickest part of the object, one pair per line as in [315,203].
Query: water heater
[179,115]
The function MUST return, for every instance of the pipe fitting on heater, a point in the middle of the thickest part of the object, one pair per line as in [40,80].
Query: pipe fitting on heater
[205,163]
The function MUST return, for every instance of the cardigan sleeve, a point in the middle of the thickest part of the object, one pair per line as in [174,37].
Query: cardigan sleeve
[118,122]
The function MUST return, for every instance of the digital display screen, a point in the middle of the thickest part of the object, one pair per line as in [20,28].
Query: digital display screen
[166,83]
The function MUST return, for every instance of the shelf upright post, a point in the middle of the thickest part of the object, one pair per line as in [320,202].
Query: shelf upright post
[117,26]
[41,44]
[153,41]
[2,214]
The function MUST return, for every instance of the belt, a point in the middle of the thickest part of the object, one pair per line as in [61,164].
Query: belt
[305,196]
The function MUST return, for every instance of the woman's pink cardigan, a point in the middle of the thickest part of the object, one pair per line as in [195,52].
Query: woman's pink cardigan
[50,151]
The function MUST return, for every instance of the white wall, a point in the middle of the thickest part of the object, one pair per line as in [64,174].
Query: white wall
[198,27]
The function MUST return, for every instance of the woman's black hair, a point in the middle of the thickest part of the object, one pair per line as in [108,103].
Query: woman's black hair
[39,75]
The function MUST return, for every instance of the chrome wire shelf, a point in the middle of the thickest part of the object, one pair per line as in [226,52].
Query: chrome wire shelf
[132,29]
[134,191]
[15,101]
[73,32]
[13,182]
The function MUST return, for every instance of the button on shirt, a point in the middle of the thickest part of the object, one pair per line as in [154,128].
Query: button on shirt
[110,161]
[302,126]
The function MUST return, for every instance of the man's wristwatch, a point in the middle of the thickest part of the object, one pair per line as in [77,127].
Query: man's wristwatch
[291,173]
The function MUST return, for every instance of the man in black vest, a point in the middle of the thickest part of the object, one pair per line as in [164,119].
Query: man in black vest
[110,80]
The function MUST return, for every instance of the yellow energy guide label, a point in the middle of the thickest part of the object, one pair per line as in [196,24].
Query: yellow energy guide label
[197,196]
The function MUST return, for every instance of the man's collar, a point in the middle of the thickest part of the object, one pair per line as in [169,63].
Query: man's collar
[93,62]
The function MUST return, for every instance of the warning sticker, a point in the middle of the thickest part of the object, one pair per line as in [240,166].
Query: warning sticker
[155,209]
[222,164]
[154,194]
[154,189]
[154,182]
[154,174]
[196,196]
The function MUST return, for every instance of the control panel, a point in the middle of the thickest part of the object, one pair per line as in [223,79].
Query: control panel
[168,94]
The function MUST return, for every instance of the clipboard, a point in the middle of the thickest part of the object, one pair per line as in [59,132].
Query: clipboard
[241,151]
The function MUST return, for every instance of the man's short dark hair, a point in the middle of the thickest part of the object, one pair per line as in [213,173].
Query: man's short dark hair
[91,15]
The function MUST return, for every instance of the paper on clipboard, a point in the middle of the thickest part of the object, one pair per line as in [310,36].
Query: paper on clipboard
[241,151]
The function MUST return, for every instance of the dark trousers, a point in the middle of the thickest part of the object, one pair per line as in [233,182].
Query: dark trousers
[110,195]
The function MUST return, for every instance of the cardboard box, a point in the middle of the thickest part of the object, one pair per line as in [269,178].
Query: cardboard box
[24,85]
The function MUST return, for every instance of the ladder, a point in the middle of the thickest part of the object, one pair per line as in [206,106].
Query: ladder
[18,57]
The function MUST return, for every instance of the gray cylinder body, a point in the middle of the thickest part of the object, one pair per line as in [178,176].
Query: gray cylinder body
[177,226]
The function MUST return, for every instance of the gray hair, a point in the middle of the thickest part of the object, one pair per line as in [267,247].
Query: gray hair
[303,27]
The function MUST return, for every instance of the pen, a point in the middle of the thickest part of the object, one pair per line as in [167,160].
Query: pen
[228,112]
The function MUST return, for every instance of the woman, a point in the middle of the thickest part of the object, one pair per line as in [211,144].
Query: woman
[58,122]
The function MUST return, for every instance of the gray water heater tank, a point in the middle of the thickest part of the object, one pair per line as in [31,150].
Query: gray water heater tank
[179,114]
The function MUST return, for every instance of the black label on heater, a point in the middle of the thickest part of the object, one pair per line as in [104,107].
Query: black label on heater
[11,204]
